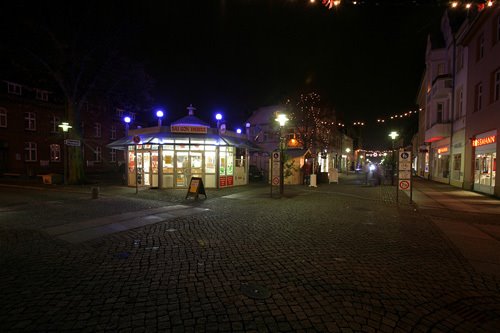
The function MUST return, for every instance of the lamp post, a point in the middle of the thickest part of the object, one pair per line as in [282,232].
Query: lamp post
[127,121]
[159,114]
[393,135]
[65,127]
[347,151]
[282,119]
[218,117]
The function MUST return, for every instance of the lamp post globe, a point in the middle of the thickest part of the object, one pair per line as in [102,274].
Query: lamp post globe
[218,117]
[159,114]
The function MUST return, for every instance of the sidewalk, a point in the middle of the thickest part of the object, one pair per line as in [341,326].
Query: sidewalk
[471,221]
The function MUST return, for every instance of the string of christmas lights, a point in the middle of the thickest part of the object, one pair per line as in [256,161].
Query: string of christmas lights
[467,4]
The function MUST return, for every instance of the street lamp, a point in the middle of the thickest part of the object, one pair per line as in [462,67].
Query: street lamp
[126,120]
[393,135]
[218,117]
[238,130]
[347,151]
[282,119]
[65,127]
[159,114]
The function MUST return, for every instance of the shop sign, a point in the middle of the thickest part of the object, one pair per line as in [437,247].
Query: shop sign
[484,141]
[442,150]
[188,129]
[230,181]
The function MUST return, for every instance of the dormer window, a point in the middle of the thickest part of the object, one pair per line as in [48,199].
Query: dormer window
[14,88]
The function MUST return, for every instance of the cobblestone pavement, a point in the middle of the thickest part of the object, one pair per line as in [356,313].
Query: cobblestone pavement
[340,257]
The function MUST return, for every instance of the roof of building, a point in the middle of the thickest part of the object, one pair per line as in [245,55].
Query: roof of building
[190,119]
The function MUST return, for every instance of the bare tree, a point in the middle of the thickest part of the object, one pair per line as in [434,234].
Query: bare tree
[81,50]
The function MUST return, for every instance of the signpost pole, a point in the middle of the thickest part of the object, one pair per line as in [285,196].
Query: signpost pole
[397,179]
[135,162]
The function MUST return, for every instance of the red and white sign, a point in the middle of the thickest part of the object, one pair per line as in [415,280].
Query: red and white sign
[222,181]
[404,185]
[230,180]
[188,129]
[276,180]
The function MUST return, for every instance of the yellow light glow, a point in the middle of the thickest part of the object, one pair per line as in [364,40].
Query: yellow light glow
[282,119]
[454,4]
[468,5]
[490,3]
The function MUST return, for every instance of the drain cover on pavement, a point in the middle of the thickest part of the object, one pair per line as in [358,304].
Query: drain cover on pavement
[254,291]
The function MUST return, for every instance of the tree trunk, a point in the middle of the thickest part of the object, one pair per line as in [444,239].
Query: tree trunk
[76,173]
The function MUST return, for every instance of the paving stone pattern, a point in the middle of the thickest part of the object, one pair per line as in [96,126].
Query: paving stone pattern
[332,259]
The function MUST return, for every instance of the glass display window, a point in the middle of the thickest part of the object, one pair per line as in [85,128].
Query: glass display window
[230,163]
[196,163]
[485,169]
[222,164]
[197,141]
[210,162]
[168,161]
[154,161]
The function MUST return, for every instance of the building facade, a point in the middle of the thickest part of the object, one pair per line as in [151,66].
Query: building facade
[459,101]
[32,141]
[482,40]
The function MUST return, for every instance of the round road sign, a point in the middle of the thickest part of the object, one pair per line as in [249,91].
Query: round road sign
[136,139]
[404,184]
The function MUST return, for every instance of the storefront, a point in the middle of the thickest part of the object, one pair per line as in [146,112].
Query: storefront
[441,161]
[167,157]
[485,162]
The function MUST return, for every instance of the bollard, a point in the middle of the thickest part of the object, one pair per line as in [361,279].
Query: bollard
[95,192]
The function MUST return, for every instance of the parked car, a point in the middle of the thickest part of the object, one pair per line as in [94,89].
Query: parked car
[255,174]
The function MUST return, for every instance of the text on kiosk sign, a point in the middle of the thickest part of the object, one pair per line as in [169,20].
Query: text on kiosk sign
[188,129]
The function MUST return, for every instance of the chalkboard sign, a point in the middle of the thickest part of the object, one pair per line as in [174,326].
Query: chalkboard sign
[195,188]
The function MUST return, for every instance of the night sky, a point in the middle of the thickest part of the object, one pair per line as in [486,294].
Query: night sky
[234,56]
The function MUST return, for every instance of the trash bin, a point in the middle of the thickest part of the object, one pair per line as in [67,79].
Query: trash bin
[95,192]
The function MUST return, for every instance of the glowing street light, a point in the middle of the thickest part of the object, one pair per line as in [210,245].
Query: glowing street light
[127,121]
[218,117]
[347,151]
[281,118]
[159,114]
[65,127]
[393,135]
